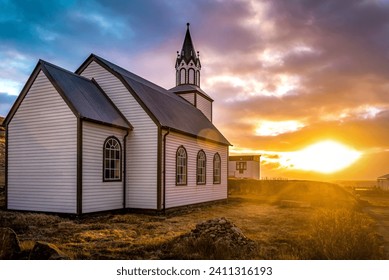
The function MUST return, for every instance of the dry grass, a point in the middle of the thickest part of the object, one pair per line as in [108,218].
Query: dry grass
[332,228]
[342,234]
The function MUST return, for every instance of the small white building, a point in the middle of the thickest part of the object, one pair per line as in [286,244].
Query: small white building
[245,166]
[103,138]
[383,182]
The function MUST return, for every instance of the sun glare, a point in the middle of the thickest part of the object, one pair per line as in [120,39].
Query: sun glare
[324,157]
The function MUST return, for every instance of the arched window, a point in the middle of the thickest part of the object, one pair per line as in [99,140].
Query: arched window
[197,78]
[216,169]
[112,160]
[191,75]
[182,76]
[181,166]
[201,168]
[177,77]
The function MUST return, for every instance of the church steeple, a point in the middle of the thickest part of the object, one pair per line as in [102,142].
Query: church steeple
[188,68]
[188,64]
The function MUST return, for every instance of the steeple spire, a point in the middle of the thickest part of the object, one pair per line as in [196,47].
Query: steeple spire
[188,62]
[188,51]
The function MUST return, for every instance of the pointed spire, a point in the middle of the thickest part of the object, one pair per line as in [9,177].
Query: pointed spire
[188,64]
[188,51]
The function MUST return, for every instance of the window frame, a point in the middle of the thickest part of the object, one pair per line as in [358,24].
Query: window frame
[241,166]
[216,182]
[204,174]
[185,182]
[119,179]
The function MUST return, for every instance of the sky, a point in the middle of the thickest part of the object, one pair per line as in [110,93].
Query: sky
[303,83]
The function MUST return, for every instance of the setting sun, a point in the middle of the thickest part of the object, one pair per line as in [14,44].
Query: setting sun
[324,157]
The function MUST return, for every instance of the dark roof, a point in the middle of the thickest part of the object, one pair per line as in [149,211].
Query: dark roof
[245,158]
[188,51]
[85,96]
[384,177]
[167,109]
[190,88]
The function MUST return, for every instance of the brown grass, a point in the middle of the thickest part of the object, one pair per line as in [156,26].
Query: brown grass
[342,235]
[332,228]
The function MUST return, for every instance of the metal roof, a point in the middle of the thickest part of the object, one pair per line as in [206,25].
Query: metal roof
[245,158]
[86,97]
[169,109]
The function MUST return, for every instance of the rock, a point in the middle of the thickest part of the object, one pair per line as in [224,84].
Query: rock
[220,230]
[237,230]
[9,244]
[46,251]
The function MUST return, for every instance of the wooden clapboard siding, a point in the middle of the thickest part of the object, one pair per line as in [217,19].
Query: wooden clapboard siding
[204,105]
[190,97]
[192,193]
[142,142]
[252,171]
[96,194]
[42,157]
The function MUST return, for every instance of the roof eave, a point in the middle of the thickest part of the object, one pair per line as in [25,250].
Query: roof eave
[129,128]
[227,143]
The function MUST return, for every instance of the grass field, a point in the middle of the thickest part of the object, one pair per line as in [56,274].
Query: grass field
[285,219]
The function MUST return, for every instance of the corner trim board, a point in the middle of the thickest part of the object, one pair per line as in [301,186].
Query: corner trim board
[79,166]
[6,167]
[159,169]
[124,170]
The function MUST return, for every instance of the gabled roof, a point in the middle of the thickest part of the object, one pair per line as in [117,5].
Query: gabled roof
[84,97]
[166,108]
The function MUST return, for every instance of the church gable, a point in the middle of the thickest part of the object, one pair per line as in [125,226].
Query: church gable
[142,154]
[40,175]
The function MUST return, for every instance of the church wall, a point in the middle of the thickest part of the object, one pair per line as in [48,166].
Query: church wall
[98,195]
[193,193]
[142,142]
[252,170]
[190,97]
[205,106]
[42,152]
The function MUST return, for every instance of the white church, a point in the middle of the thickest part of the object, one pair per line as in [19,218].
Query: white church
[103,138]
